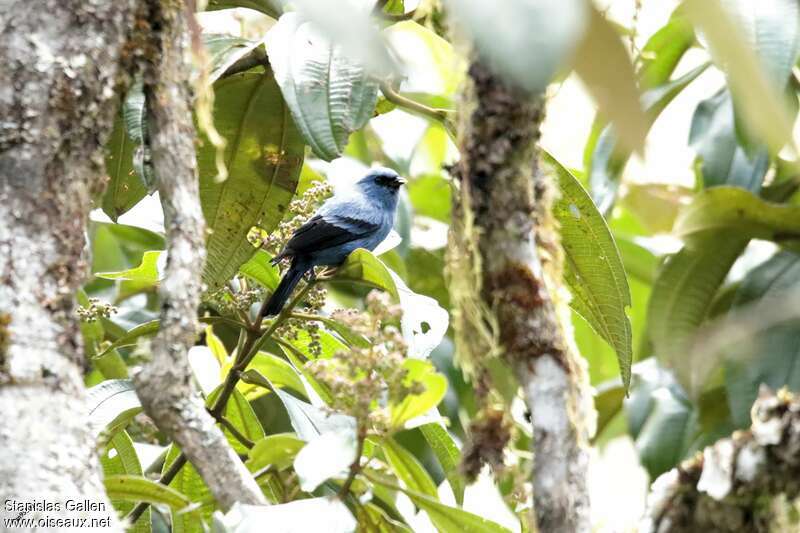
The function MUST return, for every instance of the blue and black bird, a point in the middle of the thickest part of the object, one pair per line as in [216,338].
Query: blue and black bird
[358,218]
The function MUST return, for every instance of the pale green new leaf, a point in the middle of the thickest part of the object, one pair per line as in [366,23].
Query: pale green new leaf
[446,451]
[413,405]
[593,268]
[329,94]
[363,267]
[263,155]
[407,468]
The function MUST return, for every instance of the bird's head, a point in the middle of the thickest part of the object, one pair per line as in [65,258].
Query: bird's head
[381,184]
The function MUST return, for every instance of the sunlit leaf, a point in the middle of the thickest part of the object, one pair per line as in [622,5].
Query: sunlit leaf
[329,94]
[146,272]
[121,459]
[240,414]
[263,155]
[278,450]
[593,267]
[413,405]
[141,489]
[277,370]
[189,483]
[363,267]
[663,50]
[260,269]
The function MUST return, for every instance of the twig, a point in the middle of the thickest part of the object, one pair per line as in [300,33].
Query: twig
[257,57]
[166,479]
[235,432]
[440,115]
[355,467]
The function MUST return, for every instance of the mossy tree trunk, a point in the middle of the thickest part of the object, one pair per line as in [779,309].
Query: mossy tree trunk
[504,239]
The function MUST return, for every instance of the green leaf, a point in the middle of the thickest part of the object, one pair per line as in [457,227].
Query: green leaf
[664,50]
[277,370]
[408,469]
[125,188]
[278,450]
[263,155]
[129,339]
[500,30]
[363,267]
[739,211]
[330,95]
[146,272]
[260,269]
[608,402]
[593,267]
[189,483]
[112,404]
[682,296]
[448,519]
[124,462]
[446,451]
[611,81]
[738,35]
[413,405]
[771,355]
[721,160]
[141,489]
[225,50]
[241,415]
[271,8]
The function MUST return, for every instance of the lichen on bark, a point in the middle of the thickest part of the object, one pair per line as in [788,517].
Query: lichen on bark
[504,268]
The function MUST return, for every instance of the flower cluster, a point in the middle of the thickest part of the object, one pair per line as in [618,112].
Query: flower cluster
[290,329]
[95,310]
[237,297]
[365,381]
[300,210]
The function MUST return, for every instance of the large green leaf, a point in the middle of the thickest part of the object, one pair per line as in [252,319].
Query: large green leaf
[124,461]
[125,188]
[739,211]
[260,269]
[278,450]
[771,356]
[264,155]
[225,50]
[329,94]
[756,44]
[664,50]
[682,297]
[721,159]
[593,267]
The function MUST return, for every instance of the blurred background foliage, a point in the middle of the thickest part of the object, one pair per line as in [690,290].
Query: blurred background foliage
[670,131]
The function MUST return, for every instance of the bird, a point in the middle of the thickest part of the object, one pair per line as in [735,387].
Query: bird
[358,218]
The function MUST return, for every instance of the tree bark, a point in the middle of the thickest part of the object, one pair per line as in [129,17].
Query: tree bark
[59,70]
[728,488]
[164,385]
[504,230]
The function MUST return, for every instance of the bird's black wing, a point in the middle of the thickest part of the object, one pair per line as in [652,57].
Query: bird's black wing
[326,231]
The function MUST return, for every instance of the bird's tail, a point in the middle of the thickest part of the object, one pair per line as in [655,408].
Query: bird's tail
[285,287]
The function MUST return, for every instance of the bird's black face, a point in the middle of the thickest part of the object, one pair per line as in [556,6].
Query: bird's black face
[385,178]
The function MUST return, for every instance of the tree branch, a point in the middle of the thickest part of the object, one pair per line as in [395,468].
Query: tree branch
[727,489]
[61,63]
[505,263]
[164,384]
[443,116]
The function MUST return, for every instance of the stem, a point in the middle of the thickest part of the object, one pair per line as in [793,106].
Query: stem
[235,432]
[355,468]
[168,476]
[257,57]
[440,115]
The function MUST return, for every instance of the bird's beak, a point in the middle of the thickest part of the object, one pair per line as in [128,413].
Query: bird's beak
[401,180]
